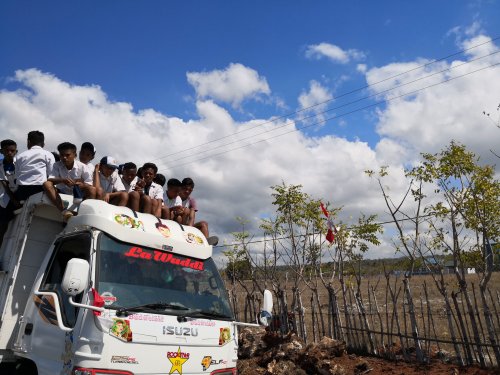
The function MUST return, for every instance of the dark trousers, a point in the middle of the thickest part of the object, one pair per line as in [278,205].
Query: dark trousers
[23,192]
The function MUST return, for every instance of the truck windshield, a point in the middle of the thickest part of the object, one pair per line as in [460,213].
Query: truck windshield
[158,281]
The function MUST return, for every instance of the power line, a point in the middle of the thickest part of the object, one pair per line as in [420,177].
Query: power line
[311,234]
[339,116]
[331,109]
[334,98]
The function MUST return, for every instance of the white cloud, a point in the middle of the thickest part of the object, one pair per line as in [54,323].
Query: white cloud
[233,179]
[232,184]
[313,103]
[231,85]
[478,46]
[362,68]
[467,32]
[474,29]
[317,94]
[391,152]
[429,119]
[333,53]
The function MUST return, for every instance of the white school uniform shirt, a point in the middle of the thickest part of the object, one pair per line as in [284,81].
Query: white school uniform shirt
[112,183]
[190,203]
[171,202]
[155,190]
[79,171]
[90,167]
[130,187]
[34,166]
[10,177]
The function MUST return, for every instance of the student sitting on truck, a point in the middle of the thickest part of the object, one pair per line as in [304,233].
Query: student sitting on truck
[69,176]
[189,204]
[147,196]
[172,204]
[33,167]
[86,155]
[129,175]
[8,203]
[131,181]
[160,180]
[108,184]
[56,156]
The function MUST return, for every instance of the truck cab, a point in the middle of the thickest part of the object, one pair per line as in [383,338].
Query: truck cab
[112,292]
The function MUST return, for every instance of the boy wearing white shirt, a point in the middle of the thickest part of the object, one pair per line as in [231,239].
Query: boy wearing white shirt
[86,155]
[108,184]
[8,148]
[33,167]
[145,195]
[189,204]
[172,202]
[68,174]
[8,202]
[129,176]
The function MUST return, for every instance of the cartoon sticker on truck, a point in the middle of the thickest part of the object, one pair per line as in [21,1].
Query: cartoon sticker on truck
[121,329]
[177,359]
[129,222]
[224,336]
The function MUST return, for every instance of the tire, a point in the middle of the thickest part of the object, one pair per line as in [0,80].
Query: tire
[25,367]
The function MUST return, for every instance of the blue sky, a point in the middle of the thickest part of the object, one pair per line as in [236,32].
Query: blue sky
[165,76]
[139,52]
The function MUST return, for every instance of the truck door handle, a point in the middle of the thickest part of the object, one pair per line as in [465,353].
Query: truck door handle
[28,329]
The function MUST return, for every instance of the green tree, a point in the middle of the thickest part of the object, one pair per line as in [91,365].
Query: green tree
[469,214]
[469,206]
[496,123]
[456,203]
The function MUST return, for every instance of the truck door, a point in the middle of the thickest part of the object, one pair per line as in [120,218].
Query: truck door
[42,339]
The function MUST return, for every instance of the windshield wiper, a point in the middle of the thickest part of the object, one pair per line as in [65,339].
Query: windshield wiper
[123,311]
[202,314]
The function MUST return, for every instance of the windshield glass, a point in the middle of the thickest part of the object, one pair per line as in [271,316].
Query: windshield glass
[130,276]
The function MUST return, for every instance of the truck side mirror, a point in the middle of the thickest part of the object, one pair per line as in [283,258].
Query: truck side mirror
[267,309]
[76,277]
[76,280]
[212,282]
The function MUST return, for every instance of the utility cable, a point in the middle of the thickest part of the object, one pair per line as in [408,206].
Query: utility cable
[334,108]
[341,115]
[334,98]
[312,234]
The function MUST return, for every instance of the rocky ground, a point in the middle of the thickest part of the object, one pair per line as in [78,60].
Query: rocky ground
[264,353]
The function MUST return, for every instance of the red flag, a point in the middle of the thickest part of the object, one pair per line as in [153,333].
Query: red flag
[324,210]
[330,236]
[98,301]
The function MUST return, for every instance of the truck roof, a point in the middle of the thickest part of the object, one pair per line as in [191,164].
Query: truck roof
[133,227]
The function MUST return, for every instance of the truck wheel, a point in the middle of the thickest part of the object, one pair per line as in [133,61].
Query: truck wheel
[26,367]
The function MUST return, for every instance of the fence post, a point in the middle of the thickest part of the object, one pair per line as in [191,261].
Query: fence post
[413,320]
[463,330]
[313,319]
[362,310]
[381,323]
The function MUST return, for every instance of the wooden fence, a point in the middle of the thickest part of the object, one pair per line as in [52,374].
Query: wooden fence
[393,317]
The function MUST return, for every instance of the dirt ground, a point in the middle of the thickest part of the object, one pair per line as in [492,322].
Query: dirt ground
[263,353]
[353,364]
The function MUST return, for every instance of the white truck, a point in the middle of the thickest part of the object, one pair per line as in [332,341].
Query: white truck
[112,292]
